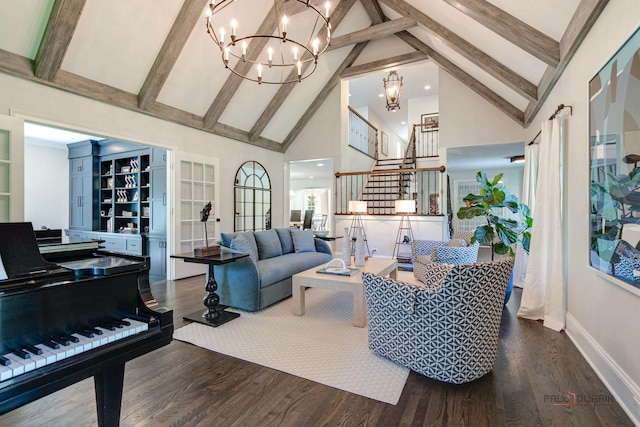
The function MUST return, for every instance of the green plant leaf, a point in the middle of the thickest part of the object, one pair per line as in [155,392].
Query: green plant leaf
[496,179]
[500,248]
[471,212]
[484,234]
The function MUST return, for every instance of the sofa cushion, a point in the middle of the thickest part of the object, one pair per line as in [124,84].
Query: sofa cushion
[268,244]
[273,270]
[241,243]
[285,240]
[303,241]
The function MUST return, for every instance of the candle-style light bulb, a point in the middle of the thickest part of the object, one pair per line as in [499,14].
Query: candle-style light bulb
[295,53]
[315,44]
[270,50]
[327,6]
[244,49]
[285,20]
[259,71]
[226,56]
[299,69]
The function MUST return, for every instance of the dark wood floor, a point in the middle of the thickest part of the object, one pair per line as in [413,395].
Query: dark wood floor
[182,385]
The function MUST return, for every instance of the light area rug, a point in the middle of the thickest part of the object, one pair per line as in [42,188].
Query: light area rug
[321,346]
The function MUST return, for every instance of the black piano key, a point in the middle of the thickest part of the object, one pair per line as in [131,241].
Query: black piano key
[94,331]
[4,361]
[108,326]
[33,350]
[85,333]
[61,341]
[125,322]
[51,344]
[69,338]
[21,353]
[116,323]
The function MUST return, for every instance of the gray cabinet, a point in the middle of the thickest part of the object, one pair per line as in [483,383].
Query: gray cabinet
[158,202]
[157,251]
[82,182]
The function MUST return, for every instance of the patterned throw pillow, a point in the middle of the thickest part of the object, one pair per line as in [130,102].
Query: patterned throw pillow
[241,244]
[419,264]
[303,241]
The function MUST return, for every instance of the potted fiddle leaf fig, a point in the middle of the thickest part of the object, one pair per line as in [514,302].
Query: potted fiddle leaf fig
[501,233]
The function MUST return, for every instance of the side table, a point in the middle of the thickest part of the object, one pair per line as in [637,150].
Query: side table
[215,314]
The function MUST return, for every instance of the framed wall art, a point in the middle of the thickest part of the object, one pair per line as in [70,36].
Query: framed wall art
[614,121]
[430,122]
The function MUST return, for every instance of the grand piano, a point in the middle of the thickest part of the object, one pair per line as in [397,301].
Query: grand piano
[79,317]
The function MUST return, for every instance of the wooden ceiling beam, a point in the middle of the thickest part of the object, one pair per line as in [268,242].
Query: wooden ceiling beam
[583,19]
[181,29]
[503,74]
[322,96]
[464,77]
[62,23]
[383,64]
[373,9]
[516,31]
[377,31]
[283,92]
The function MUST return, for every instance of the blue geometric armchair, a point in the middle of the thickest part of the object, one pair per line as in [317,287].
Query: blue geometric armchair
[445,328]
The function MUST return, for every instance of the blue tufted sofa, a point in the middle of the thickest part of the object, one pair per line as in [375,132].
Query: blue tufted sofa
[264,277]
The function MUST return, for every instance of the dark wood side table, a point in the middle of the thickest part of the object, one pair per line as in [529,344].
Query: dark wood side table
[215,314]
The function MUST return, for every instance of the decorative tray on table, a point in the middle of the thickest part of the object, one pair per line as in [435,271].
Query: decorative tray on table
[340,270]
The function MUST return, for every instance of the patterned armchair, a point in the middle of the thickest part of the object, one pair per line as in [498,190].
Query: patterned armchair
[445,328]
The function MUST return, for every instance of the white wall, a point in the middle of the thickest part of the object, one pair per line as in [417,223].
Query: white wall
[603,316]
[468,119]
[424,105]
[46,182]
[393,138]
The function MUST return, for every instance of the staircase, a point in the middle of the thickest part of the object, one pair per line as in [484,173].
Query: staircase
[383,189]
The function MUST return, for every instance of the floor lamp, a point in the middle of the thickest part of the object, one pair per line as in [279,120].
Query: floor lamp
[357,208]
[405,233]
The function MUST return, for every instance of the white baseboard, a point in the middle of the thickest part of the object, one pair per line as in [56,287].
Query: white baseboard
[624,389]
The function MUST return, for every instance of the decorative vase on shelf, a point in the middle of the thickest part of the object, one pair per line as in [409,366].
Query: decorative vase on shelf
[360,249]
[346,248]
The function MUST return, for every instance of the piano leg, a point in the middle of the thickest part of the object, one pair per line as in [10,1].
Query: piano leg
[108,385]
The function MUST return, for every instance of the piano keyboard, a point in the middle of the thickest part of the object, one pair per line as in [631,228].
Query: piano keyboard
[62,346]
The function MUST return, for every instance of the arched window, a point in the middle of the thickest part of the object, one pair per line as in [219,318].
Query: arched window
[252,198]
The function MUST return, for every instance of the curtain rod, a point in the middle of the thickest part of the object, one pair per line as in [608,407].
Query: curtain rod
[553,116]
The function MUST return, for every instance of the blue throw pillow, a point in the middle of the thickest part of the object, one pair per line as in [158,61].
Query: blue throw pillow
[268,244]
[240,243]
[285,240]
[303,241]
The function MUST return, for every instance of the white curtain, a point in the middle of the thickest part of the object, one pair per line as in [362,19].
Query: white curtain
[544,296]
[529,181]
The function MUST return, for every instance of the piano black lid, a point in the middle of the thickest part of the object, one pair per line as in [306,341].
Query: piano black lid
[19,250]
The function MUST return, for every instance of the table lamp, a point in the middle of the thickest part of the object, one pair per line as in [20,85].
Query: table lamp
[405,233]
[358,208]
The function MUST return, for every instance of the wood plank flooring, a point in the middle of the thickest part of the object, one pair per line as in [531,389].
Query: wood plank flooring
[183,385]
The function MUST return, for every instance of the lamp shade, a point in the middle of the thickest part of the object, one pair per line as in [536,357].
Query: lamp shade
[357,206]
[405,206]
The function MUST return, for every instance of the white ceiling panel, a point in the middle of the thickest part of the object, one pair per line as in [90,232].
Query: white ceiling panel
[22,26]
[117,41]
[550,17]
[383,48]
[248,104]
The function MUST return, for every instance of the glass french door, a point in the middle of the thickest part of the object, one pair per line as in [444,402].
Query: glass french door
[196,184]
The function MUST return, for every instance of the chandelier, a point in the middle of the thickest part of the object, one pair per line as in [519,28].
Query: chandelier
[392,88]
[292,48]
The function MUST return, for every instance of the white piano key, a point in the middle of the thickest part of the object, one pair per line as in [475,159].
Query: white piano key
[106,333]
[16,362]
[46,353]
[139,326]
[38,360]
[5,373]
[86,342]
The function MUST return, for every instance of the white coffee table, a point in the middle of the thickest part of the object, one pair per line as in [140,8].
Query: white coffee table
[312,279]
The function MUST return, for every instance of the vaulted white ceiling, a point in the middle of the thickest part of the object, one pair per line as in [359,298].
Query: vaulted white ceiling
[154,56]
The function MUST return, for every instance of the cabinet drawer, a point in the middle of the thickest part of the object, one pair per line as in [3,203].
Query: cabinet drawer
[133,246]
[113,243]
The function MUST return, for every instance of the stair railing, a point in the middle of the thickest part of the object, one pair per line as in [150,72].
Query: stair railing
[426,140]
[426,188]
[363,136]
